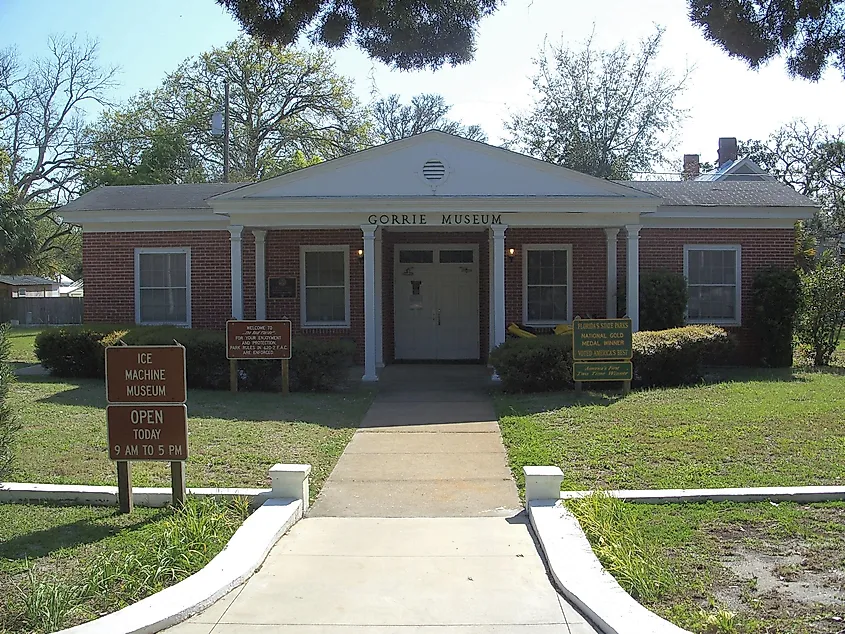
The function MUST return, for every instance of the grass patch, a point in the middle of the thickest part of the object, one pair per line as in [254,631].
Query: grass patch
[759,428]
[23,345]
[725,563]
[64,565]
[232,438]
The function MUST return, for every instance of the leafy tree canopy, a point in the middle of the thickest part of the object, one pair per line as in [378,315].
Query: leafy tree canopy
[407,34]
[810,33]
[393,120]
[608,113]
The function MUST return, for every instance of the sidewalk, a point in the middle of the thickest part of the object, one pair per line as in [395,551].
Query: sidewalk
[418,529]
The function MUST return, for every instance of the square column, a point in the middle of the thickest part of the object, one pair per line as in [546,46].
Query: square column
[633,293]
[498,283]
[235,233]
[611,233]
[260,275]
[379,302]
[369,232]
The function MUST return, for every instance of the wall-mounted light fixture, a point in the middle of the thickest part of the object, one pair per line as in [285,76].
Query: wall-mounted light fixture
[511,252]
[360,253]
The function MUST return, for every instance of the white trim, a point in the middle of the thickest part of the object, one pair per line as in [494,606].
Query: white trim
[632,272]
[260,273]
[302,312]
[145,250]
[737,249]
[379,247]
[236,268]
[370,338]
[546,247]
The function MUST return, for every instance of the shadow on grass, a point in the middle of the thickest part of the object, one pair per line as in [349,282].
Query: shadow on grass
[40,543]
[524,404]
[334,410]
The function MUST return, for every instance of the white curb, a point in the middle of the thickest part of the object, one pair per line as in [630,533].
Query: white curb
[107,496]
[801,495]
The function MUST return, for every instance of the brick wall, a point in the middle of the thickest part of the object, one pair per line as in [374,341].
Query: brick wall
[389,241]
[589,268]
[108,260]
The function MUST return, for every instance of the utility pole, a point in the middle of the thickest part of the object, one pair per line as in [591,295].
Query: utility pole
[225,130]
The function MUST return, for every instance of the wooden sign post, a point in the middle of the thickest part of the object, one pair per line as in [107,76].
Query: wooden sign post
[601,351]
[147,418]
[253,339]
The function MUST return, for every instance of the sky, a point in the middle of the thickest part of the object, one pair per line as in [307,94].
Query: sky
[146,39]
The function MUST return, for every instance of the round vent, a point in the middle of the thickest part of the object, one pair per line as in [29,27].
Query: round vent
[434,171]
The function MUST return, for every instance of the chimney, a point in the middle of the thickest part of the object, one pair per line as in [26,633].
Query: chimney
[692,167]
[727,150]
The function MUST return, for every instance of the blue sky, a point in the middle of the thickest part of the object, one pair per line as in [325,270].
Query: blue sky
[148,38]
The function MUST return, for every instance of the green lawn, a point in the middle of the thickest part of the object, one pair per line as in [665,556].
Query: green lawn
[232,438]
[762,428]
[23,345]
[64,565]
[777,568]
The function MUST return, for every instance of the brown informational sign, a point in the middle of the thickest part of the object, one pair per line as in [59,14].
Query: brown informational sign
[145,374]
[148,432]
[258,339]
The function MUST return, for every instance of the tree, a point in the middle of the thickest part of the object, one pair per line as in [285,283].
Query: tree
[822,312]
[811,160]
[288,108]
[407,34]
[18,237]
[42,107]
[393,120]
[608,113]
[810,33]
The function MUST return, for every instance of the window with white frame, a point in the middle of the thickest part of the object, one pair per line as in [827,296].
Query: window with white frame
[325,280]
[713,280]
[547,283]
[163,286]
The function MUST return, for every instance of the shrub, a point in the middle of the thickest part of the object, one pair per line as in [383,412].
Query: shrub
[540,364]
[775,297]
[663,300]
[316,365]
[676,356]
[822,308]
[72,352]
[9,425]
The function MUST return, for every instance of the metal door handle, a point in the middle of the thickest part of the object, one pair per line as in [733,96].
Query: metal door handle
[438,316]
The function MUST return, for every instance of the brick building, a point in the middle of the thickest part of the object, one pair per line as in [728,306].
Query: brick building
[426,248]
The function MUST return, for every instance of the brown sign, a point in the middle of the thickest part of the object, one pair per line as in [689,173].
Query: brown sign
[258,339]
[148,432]
[145,374]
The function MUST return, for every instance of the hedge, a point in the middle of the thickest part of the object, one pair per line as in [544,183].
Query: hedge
[78,352]
[661,358]
[665,358]
[775,299]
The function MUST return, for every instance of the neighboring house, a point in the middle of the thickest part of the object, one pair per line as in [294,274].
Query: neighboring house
[28,286]
[425,248]
[69,287]
[728,166]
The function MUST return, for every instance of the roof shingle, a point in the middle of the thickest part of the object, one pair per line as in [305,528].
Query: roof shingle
[148,197]
[722,193]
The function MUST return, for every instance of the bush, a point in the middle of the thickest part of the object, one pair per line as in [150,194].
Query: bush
[8,423]
[663,300]
[676,356]
[78,352]
[775,298]
[539,364]
[822,309]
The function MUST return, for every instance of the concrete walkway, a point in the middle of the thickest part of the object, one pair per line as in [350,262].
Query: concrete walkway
[418,528]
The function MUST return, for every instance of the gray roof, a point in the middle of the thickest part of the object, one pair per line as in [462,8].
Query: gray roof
[26,280]
[130,197]
[723,193]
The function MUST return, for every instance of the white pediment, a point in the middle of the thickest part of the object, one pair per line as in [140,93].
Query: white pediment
[432,164]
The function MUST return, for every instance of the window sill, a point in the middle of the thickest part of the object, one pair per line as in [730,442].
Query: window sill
[178,324]
[712,322]
[325,326]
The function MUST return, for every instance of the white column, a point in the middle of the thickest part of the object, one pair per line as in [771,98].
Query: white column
[491,324]
[633,293]
[611,233]
[498,283]
[260,275]
[379,303]
[369,303]
[235,232]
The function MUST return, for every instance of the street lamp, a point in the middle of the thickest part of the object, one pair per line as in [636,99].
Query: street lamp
[220,125]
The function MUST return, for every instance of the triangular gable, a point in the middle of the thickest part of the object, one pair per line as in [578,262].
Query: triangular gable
[433,164]
[743,169]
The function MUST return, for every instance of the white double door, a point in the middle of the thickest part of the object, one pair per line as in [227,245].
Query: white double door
[435,300]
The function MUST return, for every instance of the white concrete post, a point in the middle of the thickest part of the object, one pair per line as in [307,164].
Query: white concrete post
[611,233]
[542,483]
[260,275]
[369,303]
[379,302]
[498,283]
[290,481]
[491,322]
[235,232]
[633,293]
